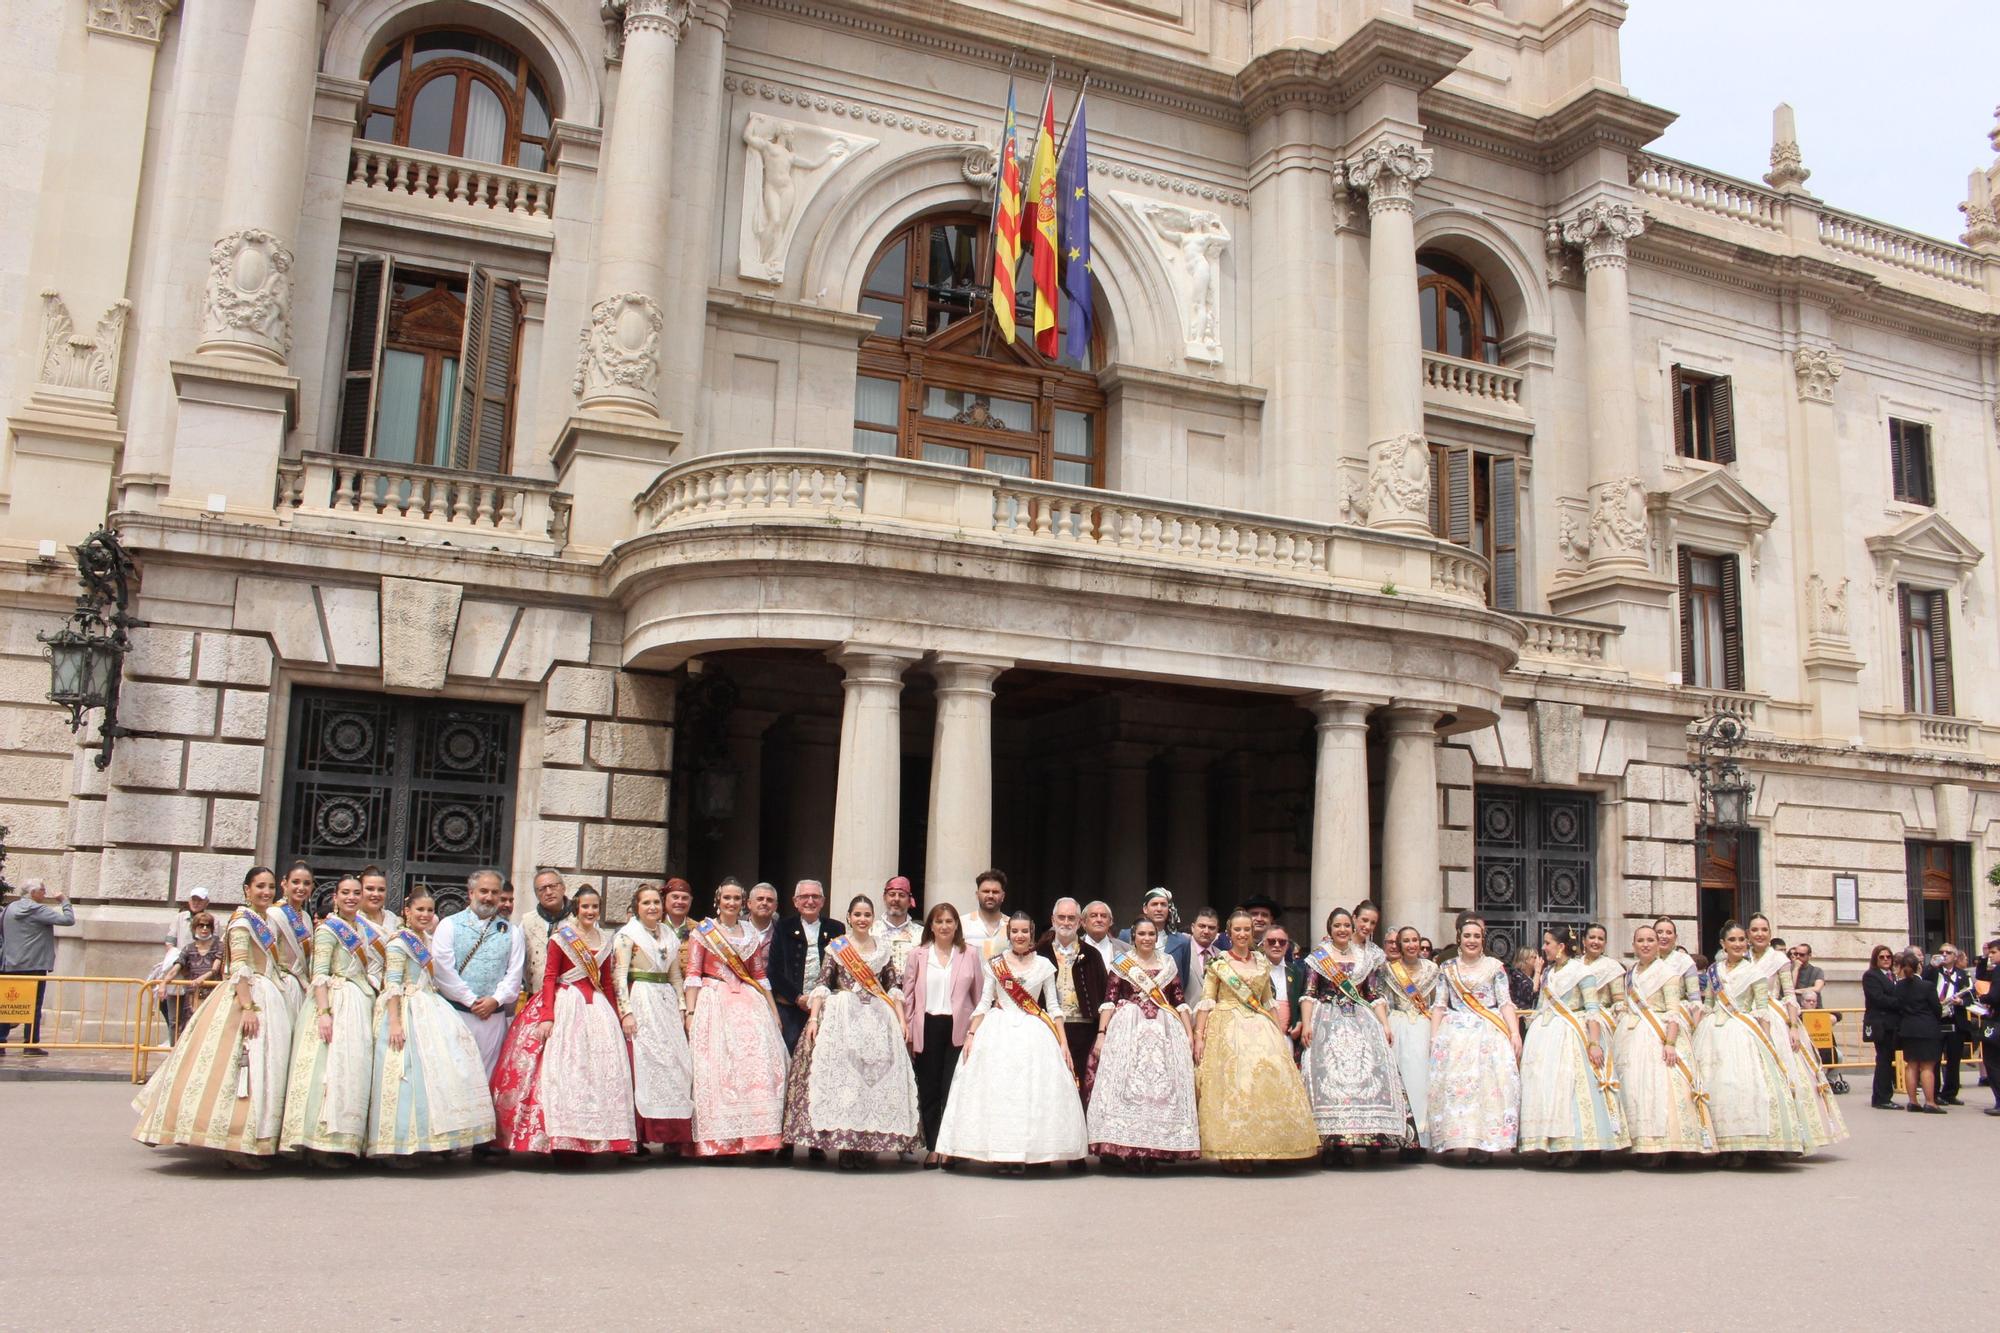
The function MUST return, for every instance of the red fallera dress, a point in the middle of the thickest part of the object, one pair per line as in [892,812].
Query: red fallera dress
[573,1091]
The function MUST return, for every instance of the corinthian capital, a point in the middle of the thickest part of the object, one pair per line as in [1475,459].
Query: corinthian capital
[1389,169]
[144,19]
[1603,230]
[622,18]
[1817,368]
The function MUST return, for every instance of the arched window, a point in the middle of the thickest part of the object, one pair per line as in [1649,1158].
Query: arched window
[937,382]
[1460,317]
[460,94]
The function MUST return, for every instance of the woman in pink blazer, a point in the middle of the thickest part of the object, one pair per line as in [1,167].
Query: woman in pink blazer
[941,984]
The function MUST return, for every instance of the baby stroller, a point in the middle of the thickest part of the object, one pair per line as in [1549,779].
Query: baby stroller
[1819,1028]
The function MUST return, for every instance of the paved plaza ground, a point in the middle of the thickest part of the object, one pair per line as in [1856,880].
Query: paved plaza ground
[107,1234]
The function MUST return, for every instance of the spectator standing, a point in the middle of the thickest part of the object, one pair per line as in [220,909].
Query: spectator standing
[199,960]
[1986,995]
[1524,979]
[1808,980]
[1953,985]
[1880,1022]
[1921,1031]
[28,948]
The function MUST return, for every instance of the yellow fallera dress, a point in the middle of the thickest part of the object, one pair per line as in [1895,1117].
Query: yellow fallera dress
[1252,1103]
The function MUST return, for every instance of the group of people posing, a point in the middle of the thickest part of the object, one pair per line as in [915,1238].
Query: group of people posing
[982,1039]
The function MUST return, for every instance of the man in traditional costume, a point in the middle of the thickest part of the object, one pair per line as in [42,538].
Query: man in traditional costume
[1080,980]
[551,906]
[477,958]
[902,931]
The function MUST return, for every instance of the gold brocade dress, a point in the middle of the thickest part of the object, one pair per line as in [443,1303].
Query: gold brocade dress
[1251,1101]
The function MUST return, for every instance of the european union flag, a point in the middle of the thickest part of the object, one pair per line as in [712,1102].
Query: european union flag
[1073,190]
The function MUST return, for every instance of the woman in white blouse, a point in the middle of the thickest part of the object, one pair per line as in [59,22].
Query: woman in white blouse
[941,984]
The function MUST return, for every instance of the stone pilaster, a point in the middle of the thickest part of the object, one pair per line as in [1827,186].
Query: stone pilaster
[1832,670]
[1399,465]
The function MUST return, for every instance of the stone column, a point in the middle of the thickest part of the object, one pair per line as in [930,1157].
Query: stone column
[1340,809]
[247,308]
[618,364]
[961,812]
[1412,893]
[1617,535]
[699,115]
[1399,463]
[867,799]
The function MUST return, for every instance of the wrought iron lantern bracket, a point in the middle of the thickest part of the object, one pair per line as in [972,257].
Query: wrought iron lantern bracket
[87,655]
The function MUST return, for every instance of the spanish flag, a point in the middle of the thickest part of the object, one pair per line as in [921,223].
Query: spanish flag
[1042,189]
[1006,223]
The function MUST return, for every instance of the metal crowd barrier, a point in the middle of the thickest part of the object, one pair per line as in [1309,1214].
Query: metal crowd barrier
[1843,1048]
[105,1014]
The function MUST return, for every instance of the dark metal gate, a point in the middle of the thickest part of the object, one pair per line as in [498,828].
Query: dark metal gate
[1534,855]
[423,788]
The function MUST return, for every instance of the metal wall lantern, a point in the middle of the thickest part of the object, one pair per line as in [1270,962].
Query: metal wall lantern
[1723,794]
[87,655]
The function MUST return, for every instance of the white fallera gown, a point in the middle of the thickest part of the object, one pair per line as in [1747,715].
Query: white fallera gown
[1013,1099]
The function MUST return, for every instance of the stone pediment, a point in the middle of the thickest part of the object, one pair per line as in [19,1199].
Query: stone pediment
[1926,550]
[1714,511]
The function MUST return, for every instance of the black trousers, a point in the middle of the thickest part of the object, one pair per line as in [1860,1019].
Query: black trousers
[1885,1073]
[791,1024]
[1080,1037]
[935,1064]
[1989,1051]
[34,1026]
[1954,1051]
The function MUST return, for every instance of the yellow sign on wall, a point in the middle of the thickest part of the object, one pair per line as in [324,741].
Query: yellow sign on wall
[17,999]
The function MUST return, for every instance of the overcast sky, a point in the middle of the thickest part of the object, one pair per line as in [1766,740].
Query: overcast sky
[1893,99]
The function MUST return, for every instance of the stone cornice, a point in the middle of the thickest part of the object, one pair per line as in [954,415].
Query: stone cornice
[1381,52]
[1598,118]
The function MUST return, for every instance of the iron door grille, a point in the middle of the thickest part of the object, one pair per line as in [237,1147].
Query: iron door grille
[423,788]
[1534,864]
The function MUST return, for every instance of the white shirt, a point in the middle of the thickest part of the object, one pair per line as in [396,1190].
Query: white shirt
[1279,978]
[1110,946]
[987,941]
[444,966]
[937,982]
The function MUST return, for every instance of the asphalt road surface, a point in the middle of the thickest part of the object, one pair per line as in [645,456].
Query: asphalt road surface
[1895,1225]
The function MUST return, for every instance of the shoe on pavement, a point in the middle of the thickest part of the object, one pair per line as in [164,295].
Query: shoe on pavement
[1993,1110]
[1950,1101]
[1883,1106]
[37,1052]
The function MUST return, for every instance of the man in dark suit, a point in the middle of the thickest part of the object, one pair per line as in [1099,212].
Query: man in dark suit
[1948,978]
[1288,982]
[798,942]
[1080,980]
[1986,994]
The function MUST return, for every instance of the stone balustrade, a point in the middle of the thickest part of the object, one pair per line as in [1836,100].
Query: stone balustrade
[1900,249]
[412,502]
[401,178]
[1723,196]
[1558,639]
[981,507]
[1745,708]
[1454,380]
[1944,733]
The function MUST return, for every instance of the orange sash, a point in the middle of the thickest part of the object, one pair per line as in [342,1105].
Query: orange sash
[848,954]
[709,933]
[1019,995]
[1474,1003]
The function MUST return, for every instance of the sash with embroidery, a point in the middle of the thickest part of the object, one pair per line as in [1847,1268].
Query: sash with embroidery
[1636,1001]
[351,940]
[1337,975]
[848,954]
[571,942]
[1408,985]
[259,928]
[1607,1081]
[416,947]
[1139,979]
[1474,1003]
[709,932]
[1226,971]
[1018,993]
[376,939]
[301,926]
[1728,1006]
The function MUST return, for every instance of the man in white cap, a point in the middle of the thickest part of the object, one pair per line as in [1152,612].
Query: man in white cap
[181,933]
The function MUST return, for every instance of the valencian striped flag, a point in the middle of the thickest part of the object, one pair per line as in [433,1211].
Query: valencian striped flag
[1042,190]
[1006,223]
[1073,188]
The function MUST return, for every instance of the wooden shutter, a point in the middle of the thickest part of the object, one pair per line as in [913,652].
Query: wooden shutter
[1917,454]
[1732,623]
[1903,638]
[1506,537]
[366,323]
[1687,615]
[1722,418]
[1438,502]
[485,374]
[1961,896]
[1680,413]
[1749,886]
[1898,482]
[1913,890]
[1940,663]
[1459,514]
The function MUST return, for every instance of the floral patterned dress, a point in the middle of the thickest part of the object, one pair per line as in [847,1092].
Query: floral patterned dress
[1475,1086]
[739,1053]
[1350,1071]
[1142,1100]
[851,1086]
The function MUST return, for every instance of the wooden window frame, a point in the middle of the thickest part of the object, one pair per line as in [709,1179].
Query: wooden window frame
[1704,416]
[1461,477]
[1935,675]
[1437,287]
[1726,594]
[1939,872]
[951,358]
[1912,462]
[413,78]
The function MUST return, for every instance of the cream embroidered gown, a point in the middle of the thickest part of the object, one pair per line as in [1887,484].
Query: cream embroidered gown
[1012,1099]
[1252,1104]
[1750,1098]
[430,1096]
[332,1082]
[1565,1104]
[1475,1087]
[1142,1100]
[1661,1113]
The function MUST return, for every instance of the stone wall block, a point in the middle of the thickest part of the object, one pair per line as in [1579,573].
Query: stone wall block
[419,618]
[1458,807]
[140,874]
[165,654]
[576,792]
[1643,782]
[1454,766]
[246,715]
[86,824]
[147,763]
[181,710]
[1671,821]
[35,730]
[24,774]
[1457,892]
[80,873]
[220,873]
[586,690]
[1638,819]
[234,659]
[35,825]
[1677,786]
[628,848]
[1454,849]
[24,680]
[634,745]
[1645,858]
[237,770]
[556,844]
[562,740]
[353,626]
[155,819]
[233,826]
[639,798]
[85,777]
[618,894]
[644,696]
[544,636]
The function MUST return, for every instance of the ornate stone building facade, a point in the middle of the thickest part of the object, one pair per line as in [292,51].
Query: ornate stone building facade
[562,433]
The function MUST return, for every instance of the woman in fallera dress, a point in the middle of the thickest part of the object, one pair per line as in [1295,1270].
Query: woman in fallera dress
[1142,1102]
[575,1096]
[738,1049]
[646,975]
[851,1086]
[333,1051]
[430,1083]
[223,1086]
[1013,1100]
[291,921]
[1410,982]
[1350,1064]
[1749,1097]
[1252,1105]
[1663,1103]
[1569,1104]
[1818,1113]
[1475,1081]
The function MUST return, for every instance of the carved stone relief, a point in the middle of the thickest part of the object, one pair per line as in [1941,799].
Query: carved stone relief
[1618,518]
[1399,480]
[619,351]
[785,164]
[1190,243]
[144,19]
[1826,608]
[1817,369]
[70,360]
[249,297]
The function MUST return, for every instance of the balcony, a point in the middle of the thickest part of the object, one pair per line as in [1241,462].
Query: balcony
[428,505]
[1570,647]
[1922,733]
[981,508]
[1474,390]
[399,183]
